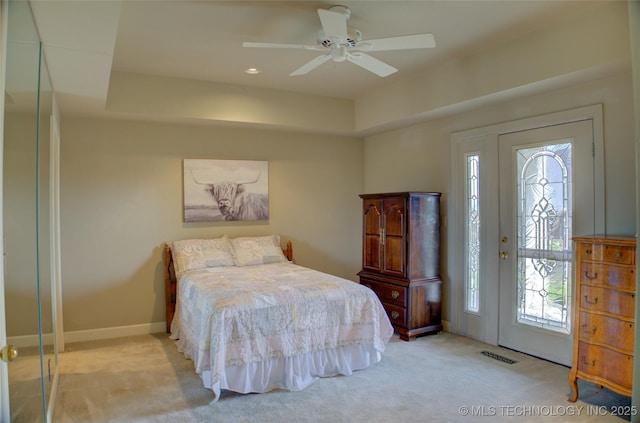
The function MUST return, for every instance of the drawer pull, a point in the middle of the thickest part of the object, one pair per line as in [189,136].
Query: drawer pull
[618,254]
[594,302]
[585,328]
[586,363]
[589,277]
[395,314]
[588,251]
[395,294]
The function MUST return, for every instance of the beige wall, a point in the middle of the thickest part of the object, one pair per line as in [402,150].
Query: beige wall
[19,221]
[121,180]
[417,158]
[121,199]
[121,192]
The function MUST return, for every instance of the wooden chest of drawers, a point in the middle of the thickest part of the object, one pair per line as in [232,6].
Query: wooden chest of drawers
[604,313]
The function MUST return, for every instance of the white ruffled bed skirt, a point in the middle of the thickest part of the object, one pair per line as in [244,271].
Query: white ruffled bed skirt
[293,373]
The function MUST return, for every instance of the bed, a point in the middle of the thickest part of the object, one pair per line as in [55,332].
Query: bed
[253,321]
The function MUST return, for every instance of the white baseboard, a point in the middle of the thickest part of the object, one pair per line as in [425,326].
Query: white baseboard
[24,341]
[114,332]
[89,335]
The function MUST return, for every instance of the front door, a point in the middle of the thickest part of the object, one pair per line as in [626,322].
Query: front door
[546,197]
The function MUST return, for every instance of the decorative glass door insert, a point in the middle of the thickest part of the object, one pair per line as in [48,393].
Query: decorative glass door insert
[472,234]
[544,236]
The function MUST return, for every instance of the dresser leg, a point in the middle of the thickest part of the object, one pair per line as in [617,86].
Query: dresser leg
[573,381]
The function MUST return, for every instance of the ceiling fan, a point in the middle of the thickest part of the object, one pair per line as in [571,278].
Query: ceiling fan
[340,42]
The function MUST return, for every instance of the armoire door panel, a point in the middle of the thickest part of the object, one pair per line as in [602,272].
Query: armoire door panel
[394,236]
[371,252]
[394,217]
[394,256]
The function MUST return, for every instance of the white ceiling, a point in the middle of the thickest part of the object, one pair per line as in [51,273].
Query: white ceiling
[85,41]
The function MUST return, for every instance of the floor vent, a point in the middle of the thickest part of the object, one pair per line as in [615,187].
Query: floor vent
[498,357]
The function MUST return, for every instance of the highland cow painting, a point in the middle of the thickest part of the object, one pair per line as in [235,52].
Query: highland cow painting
[225,190]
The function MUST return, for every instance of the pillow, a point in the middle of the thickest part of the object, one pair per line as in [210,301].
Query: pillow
[257,250]
[192,254]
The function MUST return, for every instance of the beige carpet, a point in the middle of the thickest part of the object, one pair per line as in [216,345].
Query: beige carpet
[26,386]
[438,378]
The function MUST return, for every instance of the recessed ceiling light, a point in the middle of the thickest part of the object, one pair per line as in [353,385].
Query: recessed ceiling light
[253,71]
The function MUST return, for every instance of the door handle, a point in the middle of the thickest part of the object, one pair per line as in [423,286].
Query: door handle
[504,255]
[8,353]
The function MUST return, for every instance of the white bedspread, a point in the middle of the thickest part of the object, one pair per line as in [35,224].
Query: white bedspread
[235,321]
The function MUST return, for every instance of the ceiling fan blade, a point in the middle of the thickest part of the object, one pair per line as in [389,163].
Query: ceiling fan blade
[280,45]
[334,24]
[308,67]
[371,64]
[404,42]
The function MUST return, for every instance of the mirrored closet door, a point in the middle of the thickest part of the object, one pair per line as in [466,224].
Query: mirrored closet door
[26,218]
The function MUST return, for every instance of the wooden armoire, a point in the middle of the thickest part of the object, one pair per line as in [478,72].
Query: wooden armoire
[401,258]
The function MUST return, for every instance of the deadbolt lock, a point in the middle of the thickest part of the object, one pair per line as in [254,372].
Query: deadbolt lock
[504,255]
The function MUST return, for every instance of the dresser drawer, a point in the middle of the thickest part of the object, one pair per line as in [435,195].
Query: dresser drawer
[596,299]
[388,293]
[618,254]
[604,330]
[607,253]
[603,362]
[594,273]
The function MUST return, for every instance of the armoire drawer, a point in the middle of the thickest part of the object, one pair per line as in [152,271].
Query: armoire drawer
[397,315]
[388,293]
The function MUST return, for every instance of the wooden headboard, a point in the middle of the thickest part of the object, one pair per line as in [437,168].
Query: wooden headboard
[171,285]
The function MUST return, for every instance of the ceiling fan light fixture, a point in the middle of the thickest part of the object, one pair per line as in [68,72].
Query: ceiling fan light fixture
[338,53]
[343,10]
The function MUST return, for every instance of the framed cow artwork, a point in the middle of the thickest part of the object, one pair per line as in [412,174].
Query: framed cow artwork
[225,190]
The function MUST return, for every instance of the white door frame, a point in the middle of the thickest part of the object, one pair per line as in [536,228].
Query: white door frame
[56,274]
[484,324]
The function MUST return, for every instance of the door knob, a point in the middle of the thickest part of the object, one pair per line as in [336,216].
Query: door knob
[504,255]
[8,353]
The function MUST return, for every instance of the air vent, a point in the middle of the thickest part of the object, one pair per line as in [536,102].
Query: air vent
[498,357]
